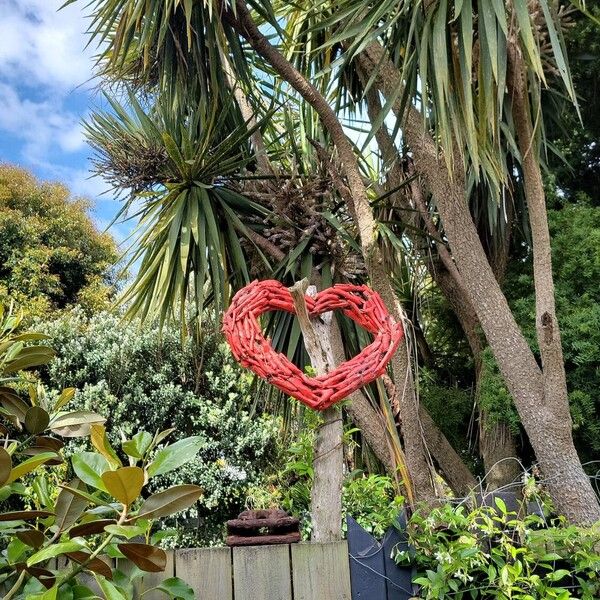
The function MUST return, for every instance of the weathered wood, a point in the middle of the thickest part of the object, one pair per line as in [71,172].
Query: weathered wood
[262,572]
[284,523]
[321,571]
[263,540]
[151,580]
[328,461]
[207,570]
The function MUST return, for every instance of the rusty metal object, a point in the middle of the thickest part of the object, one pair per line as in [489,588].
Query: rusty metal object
[263,527]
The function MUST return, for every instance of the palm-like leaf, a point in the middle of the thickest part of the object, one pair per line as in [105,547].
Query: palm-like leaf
[190,217]
[453,60]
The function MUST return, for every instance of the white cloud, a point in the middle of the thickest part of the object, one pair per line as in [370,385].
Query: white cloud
[42,126]
[40,45]
[45,88]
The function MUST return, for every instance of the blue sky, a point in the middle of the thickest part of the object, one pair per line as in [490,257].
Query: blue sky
[46,89]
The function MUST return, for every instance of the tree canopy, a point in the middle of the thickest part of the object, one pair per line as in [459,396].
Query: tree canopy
[51,253]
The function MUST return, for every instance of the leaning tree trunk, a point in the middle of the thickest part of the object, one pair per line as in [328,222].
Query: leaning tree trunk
[416,454]
[544,417]
[496,442]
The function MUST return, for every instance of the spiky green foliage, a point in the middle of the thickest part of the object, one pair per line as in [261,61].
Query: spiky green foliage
[180,166]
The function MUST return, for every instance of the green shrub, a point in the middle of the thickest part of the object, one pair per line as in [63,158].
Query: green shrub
[492,553]
[139,378]
[76,512]
[370,498]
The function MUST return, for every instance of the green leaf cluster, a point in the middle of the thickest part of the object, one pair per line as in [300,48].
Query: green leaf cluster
[142,378]
[96,513]
[51,254]
[490,552]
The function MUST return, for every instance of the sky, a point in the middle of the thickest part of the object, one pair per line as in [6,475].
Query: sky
[46,89]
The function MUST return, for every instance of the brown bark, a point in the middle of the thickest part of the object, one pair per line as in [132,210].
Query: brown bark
[496,442]
[545,418]
[455,472]
[416,454]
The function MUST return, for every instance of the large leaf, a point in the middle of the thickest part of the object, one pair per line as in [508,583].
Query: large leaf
[36,419]
[69,506]
[31,356]
[100,441]
[176,588]
[25,515]
[65,397]
[11,402]
[147,558]
[96,565]
[90,527]
[53,551]
[125,531]
[110,591]
[76,424]
[138,445]
[29,465]
[32,537]
[124,484]
[5,466]
[168,502]
[89,467]
[173,456]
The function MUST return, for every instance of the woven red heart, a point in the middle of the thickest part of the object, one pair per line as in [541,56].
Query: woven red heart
[253,351]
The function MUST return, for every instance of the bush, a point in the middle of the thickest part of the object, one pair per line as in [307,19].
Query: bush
[371,499]
[492,553]
[139,377]
[79,518]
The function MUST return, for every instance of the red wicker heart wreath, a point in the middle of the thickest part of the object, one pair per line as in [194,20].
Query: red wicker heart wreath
[253,351]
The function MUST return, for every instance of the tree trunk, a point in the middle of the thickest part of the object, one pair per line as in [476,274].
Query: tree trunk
[496,443]
[416,454]
[545,418]
[328,457]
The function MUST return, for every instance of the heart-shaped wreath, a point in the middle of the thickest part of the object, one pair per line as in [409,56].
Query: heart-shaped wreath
[253,351]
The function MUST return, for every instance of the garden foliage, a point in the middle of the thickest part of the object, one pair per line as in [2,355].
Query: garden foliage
[141,378]
[493,553]
[99,503]
[51,254]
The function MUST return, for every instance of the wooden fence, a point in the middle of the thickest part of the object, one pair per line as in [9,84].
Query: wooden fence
[294,572]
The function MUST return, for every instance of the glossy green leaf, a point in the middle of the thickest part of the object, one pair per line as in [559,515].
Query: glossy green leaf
[124,484]
[170,501]
[29,465]
[65,397]
[75,424]
[174,456]
[177,588]
[53,551]
[138,445]
[110,591]
[89,467]
[100,441]
[125,531]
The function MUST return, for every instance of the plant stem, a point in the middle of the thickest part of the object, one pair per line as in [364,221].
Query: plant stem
[15,588]
[95,553]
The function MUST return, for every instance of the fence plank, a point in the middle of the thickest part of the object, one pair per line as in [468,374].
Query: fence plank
[262,572]
[321,571]
[207,570]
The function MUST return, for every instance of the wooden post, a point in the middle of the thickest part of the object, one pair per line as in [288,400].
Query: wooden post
[328,461]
